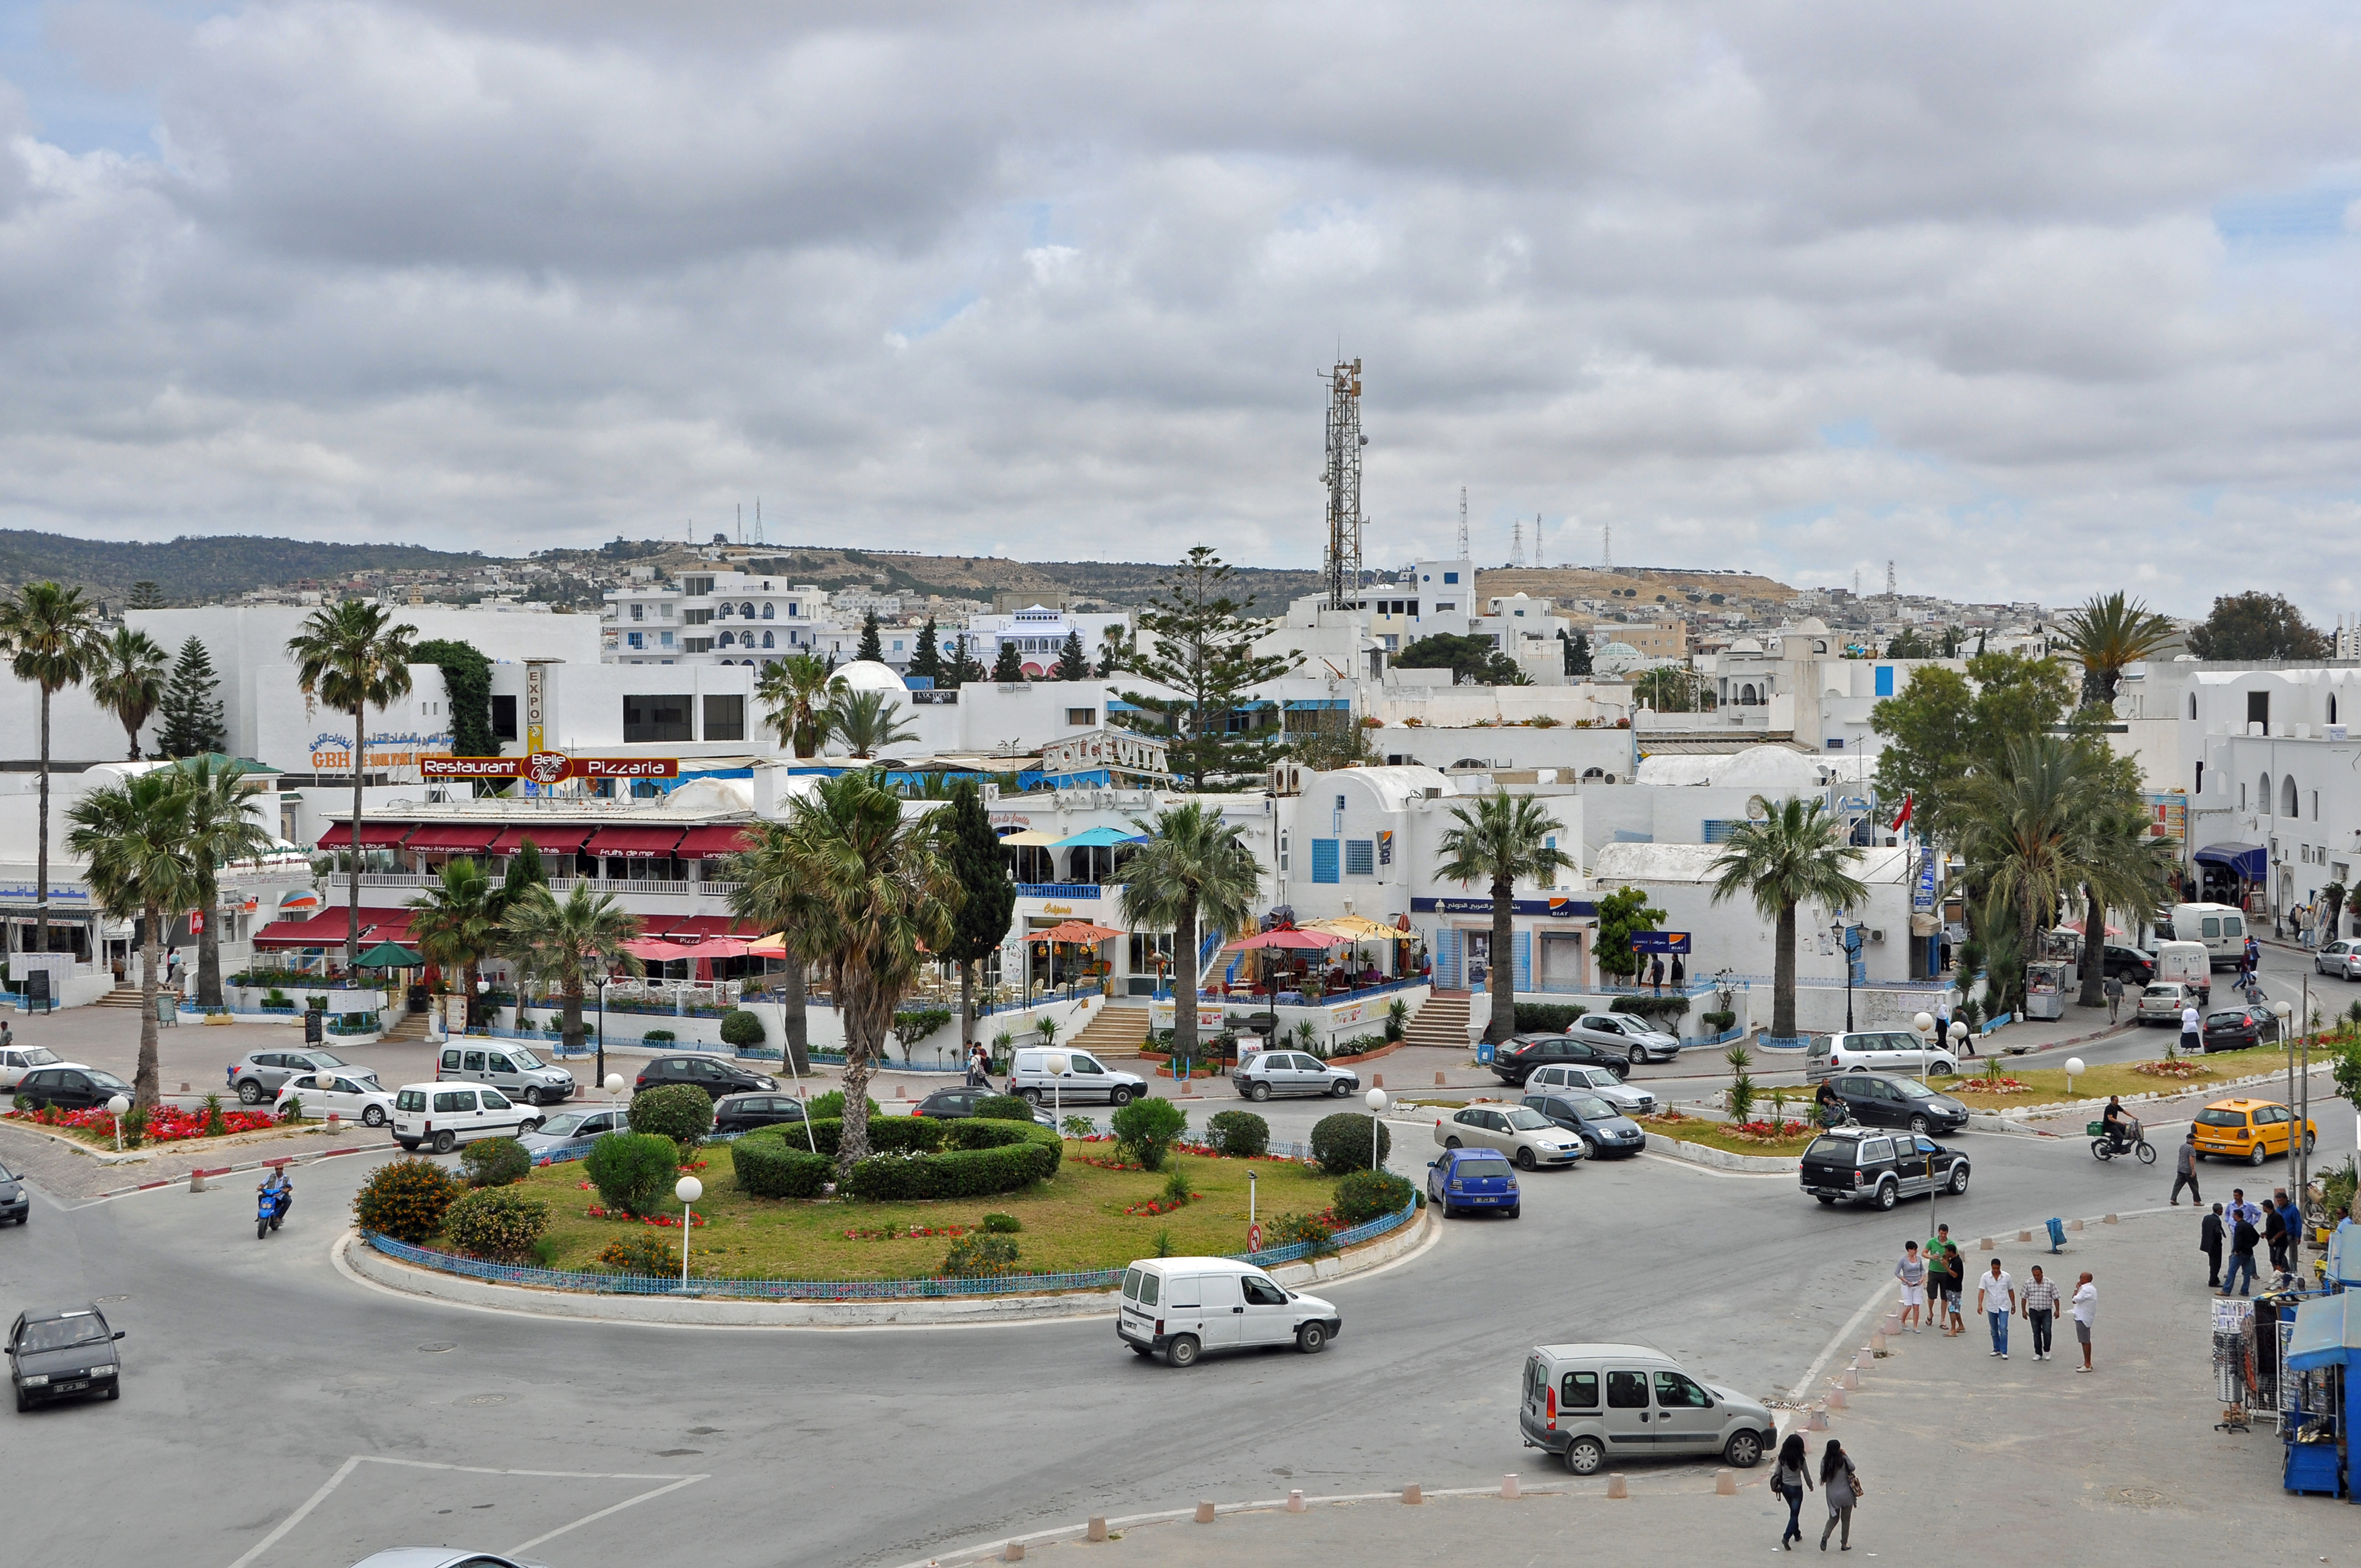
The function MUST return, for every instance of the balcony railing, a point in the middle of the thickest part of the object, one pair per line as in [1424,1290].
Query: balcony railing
[1066,890]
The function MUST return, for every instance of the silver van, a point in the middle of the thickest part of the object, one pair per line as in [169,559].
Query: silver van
[1060,1075]
[511,1068]
[1590,1403]
[1877,1050]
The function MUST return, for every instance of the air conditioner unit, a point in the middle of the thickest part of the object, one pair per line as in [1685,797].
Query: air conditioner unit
[1876,934]
[1286,778]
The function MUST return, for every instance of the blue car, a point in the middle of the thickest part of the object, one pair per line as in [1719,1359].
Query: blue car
[1474,1179]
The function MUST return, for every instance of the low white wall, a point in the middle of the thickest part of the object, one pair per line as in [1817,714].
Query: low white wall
[249,998]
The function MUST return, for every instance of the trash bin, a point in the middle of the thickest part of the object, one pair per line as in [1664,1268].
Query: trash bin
[1484,1052]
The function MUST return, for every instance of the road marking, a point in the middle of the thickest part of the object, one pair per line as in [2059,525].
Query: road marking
[614,1509]
[299,1515]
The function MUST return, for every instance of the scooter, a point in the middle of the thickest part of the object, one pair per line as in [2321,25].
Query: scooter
[271,1207]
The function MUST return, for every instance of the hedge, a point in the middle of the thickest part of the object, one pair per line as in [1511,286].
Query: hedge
[1004,1108]
[634,1171]
[1368,1195]
[960,1173]
[681,1112]
[1546,1017]
[1656,1009]
[495,1162]
[767,1166]
[740,1028]
[900,1135]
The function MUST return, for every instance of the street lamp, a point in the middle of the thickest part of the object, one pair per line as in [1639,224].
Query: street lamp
[689,1189]
[613,1084]
[115,1107]
[1845,945]
[604,981]
[1377,1101]
[1925,1025]
[1958,1042]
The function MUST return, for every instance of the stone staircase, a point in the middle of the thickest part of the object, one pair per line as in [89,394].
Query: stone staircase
[1442,1022]
[411,1027]
[1114,1031]
[122,996]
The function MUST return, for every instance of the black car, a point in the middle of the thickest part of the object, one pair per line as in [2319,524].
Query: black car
[950,1104]
[70,1088]
[744,1113]
[62,1353]
[1516,1058]
[714,1075]
[1601,1127]
[15,1203]
[2129,964]
[1864,1165]
[2236,1028]
[1886,1100]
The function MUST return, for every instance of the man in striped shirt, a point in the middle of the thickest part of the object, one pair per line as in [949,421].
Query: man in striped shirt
[2039,1301]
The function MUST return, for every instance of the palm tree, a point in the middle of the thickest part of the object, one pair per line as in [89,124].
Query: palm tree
[221,831]
[52,636]
[767,896]
[350,658]
[865,721]
[126,677]
[1505,840]
[134,836]
[1194,870]
[795,690]
[456,922]
[2107,634]
[2124,867]
[1788,854]
[560,942]
[865,891]
[2023,832]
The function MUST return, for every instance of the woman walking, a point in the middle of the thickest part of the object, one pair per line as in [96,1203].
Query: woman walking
[1842,1488]
[1791,1480]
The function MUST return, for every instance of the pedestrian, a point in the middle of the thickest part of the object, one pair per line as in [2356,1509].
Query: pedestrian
[2240,1210]
[2184,1170]
[2086,1312]
[1656,974]
[2040,1301]
[7,1034]
[1842,1486]
[1955,1285]
[2274,1231]
[1680,973]
[2242,1237]
[2209,1242]
[1790,1481]
[2115,991]
[2294,1215]
[1938,1276]
[2192,1044]
[1912,1272]
[1996,1299]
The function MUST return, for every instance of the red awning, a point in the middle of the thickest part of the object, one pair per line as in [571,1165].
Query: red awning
[550,840]
[634,840]
[702,925]
[374,835]
[327,928]
[452,840]
[712,844]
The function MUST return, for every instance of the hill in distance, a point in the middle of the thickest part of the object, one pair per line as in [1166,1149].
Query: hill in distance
[204,569]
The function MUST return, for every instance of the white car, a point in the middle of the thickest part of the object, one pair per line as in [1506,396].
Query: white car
[353,1096]
[18,1060]
[1520,1132]
[1597,1080]
[2341,959]
[442,1116]
[1875,1050]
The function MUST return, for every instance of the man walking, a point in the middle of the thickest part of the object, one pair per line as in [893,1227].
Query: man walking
[2242,1237]
[2209,1242]
[1955,1284]
[2293,1217]
[1996,1299]
[2086,1314]
[1656,974]
[1912,1272]
[2114,991]
[2184,1171]
[2040,1301]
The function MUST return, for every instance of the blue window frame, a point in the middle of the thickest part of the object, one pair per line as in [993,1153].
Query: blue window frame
[1360,857]
[1885,680]
[1450,577]
[1323,860]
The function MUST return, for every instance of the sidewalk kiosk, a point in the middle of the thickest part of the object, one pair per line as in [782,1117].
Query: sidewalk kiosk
[2319,1339]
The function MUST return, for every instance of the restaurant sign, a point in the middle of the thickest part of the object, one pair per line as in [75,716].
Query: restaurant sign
[549,767]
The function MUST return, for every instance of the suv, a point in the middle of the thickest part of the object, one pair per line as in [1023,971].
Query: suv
[1864,1165]
[712,1074]
[1085,1078]
[259,1076]
[511,1068]
[1627,1035]
[1516,1060]
[1875,1050]
[1266,1073]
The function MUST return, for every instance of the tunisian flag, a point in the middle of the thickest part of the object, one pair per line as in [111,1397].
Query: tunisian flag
[1904,817]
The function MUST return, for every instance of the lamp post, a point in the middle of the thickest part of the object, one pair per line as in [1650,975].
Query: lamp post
[115,1107]
[2073,1066]
[1924,1026]
[483,987]
[1958,1042]
[613,1084]
[1377,1102]
[1843,933]
[689,1189]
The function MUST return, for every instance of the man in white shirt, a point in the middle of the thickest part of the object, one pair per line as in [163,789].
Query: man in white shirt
[2191,1042]
[2086,1312]
[1996,1299]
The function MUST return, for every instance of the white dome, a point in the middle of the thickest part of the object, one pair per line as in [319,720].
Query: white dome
[1620,651]
[1746,646]
[1811,625]
[869,675]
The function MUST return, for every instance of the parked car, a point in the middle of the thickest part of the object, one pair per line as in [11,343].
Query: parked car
[2134,965]
[1180,1307]
[2250,1130]
[1601,1127]
[15,1203]
[950,1104]
[1523,1134]
[1595,1080]
[1520,1054]
[715,1075]
[744,1113]
[2236,1028]
[442,1557]
[1876,1051]
[2162,1003]
[1474,1178]
[1877,1101]
[1589,1403]
[71,1087]
[515,1071]
[2341,958]
[1085,1078]
[353,1096]
[1266,1073]
[62,1353]
[1627,1036]
[1862,1164]
[18,1060]
[444,1116]
[259,1076]
[574,1127]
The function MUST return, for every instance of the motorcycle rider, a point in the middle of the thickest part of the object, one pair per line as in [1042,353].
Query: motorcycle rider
[1830,1103]
[2122,1129]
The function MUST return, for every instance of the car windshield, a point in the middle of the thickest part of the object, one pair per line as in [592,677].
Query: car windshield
[1913,1090]
[324,1059]
[106,1080]
[525,1060]
[56,1333]
[2215,1116]
[38,1057]
[1525,1119]
[1591,1108]
[1468,1161]
[7,1174]
[558,1126]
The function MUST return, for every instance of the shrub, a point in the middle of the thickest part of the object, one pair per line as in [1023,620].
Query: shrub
[767,1166]
[1079,1127]
[965,1172]
[1238,1134]
[1545,1017]
[1341,1142]
[495,1162]
[1008,1225]
[293,1111]
[1718,1021]
[215,1124]
[681,1112]
[980,1256]
[496,1221]
[634,1171]
[1176,1187]
[644,1253]
[914,1024]
[828,1107]
[1663,1012]
[405,1199]
[660,1036]
[1004,1108]
[1307,1230]
[1368,1195]
[1397,1019]
[740,1028]
[134,1126]
[1148,1127]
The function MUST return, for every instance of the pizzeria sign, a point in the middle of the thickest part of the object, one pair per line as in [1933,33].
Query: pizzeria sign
[549,767]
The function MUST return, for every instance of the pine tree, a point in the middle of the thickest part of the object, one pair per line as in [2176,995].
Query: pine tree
[964,666]
[1577,654]
[146,595]
[1204,650]
[1005,667]
[927,661]
[871,648]
[1074,664]
[192,715]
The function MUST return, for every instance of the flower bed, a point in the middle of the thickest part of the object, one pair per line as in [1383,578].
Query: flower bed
[662,1222]
[165,1124]
[1994,1084]
[1746,1138]
[908,1232]
[2177,1067]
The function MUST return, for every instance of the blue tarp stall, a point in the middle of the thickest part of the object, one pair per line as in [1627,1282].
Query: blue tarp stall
[2249,862]
[2326,1334]
[1098,839]
[2345,1255]
[2324,1338]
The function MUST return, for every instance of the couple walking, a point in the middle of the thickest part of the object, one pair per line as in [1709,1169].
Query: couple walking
[1839,1483]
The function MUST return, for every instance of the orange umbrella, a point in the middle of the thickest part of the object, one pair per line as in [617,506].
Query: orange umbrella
[1072,931]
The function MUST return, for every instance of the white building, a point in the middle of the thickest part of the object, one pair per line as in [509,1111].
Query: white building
[2273,781]
[721,617]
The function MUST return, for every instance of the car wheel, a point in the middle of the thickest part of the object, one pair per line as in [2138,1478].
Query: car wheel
[1031,1096]
[1959,1176]
[446,1142]
[1514,1211]
[1451,1143]
[1744,1450]
[1918,1125]
[1589,1148]
[23,1404]
[249,1093]
[1637,1054]
[1182,1351]
[1312,1338]
[1584,1456]
[530,1124]
[1826,1201]
[1945,1069]
[411,1144]
[1525,1160]
[2255,1156]
[1119,1095]
[2309,1140]
[1338,1089]
[1888,1194]
[373,1116]
[1258,1092]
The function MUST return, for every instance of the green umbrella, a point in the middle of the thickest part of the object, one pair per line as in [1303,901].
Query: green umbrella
[389,955]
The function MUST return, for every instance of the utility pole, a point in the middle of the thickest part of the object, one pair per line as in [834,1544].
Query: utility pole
[1343,477]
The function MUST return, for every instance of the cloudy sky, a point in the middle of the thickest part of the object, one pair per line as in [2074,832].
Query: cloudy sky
[2033,298]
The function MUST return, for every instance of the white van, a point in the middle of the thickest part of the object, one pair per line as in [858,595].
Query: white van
[2191,963]
[1590,1403]
[444,1116]
[1041,1073]
[2220,927]
[1182,1307]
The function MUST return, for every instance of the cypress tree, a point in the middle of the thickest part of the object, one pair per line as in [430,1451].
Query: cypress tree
[929,659]
[871,648]
[1074,664]
[980,865]
[191,716]
[1005,667]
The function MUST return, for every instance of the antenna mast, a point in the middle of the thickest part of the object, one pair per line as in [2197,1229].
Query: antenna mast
[758,519]
[1606,546]
[1463,524]
[1889,581]
[1343,477]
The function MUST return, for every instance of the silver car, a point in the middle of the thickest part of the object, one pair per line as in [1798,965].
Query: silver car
[2341,959]
[574,1127]
[1266,1073]
[259,1075]
[18,1060]
[1595,1080]
[1627,1036]
[1523,1134]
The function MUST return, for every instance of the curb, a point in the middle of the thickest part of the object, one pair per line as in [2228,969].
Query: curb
[2009,1120]
[365,1263]
[210,1172]
[1706,1154]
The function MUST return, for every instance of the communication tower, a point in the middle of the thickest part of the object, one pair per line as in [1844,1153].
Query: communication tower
[1606,546]
[1343,477]
[1889,581]
[1463,524]
[1517,543]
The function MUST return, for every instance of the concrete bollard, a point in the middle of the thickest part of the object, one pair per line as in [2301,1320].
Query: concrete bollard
[1012,1552]
[1377,1080]
[196,1181]
[1205,1513]
[1817,1420]
[1617,1487]
[1509,1486]
[1867,1354]
[1411,1493]
[1725,1483]
[1837,1398]
[2024,1236]
[2109,1219]
[901,1092]
[1851,1378]
[1877,1344]
[1098,1527]
[1983,1244]
[1295,1501]
[2073,1225]
[1892,1323]
[1438,1081]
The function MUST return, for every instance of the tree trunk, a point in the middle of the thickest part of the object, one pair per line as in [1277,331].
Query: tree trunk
[967,1011]
[2094,949]
[1782,976]
[866,1010]
[1503,978]
[41,850]
[209,986]
[353,896]
[570,1020]
[468,980]
[797,1018]
[1184,997]
[146,1083]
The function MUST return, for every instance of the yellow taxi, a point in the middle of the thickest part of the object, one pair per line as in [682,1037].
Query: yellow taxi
[2251,1130]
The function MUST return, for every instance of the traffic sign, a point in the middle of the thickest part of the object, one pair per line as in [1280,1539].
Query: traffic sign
[1254,1238]
[1660,942]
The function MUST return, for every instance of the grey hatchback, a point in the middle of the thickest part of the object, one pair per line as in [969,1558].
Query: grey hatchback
[1602,1128]
[259,1076]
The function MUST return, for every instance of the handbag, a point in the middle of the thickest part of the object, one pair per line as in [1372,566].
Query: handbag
[1860,1490]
